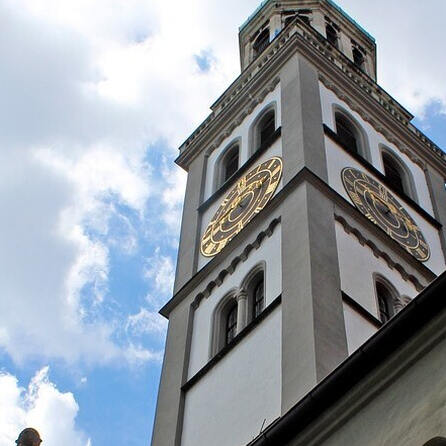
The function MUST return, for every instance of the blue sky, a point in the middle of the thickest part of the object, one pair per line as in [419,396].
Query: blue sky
[96,98]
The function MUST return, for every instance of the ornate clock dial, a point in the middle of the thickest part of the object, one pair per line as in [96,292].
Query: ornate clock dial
[383,209]
[246,199]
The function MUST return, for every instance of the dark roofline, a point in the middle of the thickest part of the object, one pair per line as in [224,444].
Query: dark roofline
[373,353]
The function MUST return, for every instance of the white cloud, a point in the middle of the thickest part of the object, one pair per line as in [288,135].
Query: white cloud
[411,59]
[146,322]
[86,88]
[42,406]
[173,196]
[137,354]
[160,270]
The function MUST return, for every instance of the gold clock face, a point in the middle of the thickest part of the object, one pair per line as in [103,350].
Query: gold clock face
[246,199]
[383,209]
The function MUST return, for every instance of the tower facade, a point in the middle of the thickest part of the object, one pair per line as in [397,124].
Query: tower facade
[313,215]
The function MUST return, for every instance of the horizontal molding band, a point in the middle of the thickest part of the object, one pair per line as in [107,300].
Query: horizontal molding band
[361,310]
[373,170]
[303,175]
[222,353]
[242,170]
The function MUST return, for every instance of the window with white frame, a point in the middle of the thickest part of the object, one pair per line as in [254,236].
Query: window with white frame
[258,299]
[387,299]
[231,324]
[227,164]
[256,294]
[254,288]
[225,318]
[398,175]
[263,129]
[350,135]
[238,309]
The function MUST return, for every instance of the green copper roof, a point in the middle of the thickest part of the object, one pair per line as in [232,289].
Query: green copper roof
[331,2]
[254,13]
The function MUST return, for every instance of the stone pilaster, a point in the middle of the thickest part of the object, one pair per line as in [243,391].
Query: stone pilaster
[313,329]
[168,423]
[191,223]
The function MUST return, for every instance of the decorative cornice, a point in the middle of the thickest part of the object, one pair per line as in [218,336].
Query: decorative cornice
[327,59]
[242,170]
[229,269]
[303,175]
[254,101]
[379,253]
[382,178]
[367,118]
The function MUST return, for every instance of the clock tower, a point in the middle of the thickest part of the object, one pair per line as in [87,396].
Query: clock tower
[314,214]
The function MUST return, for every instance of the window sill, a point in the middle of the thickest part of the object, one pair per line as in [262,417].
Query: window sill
[223,352]
[334,137]
[241,171]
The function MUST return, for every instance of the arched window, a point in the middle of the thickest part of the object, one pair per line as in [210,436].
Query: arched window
[258,298]
[288,20]
[267,126]
[302,14]
[348,134]
[358,58]
[305,15]
[384,302]
[254,286]
[224,322]
[227,165]
[386,298]
[398,175]
[261,42]
[332,34]
[263,130]
[393,173]
[231,324]
[230,163]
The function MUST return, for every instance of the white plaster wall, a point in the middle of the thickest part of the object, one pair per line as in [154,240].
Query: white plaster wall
[358,329]
[338,158]
[241,132]
[409,411]
[240,392]
[268,252]
[274,150]
[375,140]
[357,265]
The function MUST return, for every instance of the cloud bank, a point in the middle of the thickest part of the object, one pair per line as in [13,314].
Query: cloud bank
[42,406]
[89,89]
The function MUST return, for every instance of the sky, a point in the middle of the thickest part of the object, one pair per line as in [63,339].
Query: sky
[96,97]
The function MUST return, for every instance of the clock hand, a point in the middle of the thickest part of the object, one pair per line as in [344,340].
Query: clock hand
[382,205]
[242,191]
[409,224]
